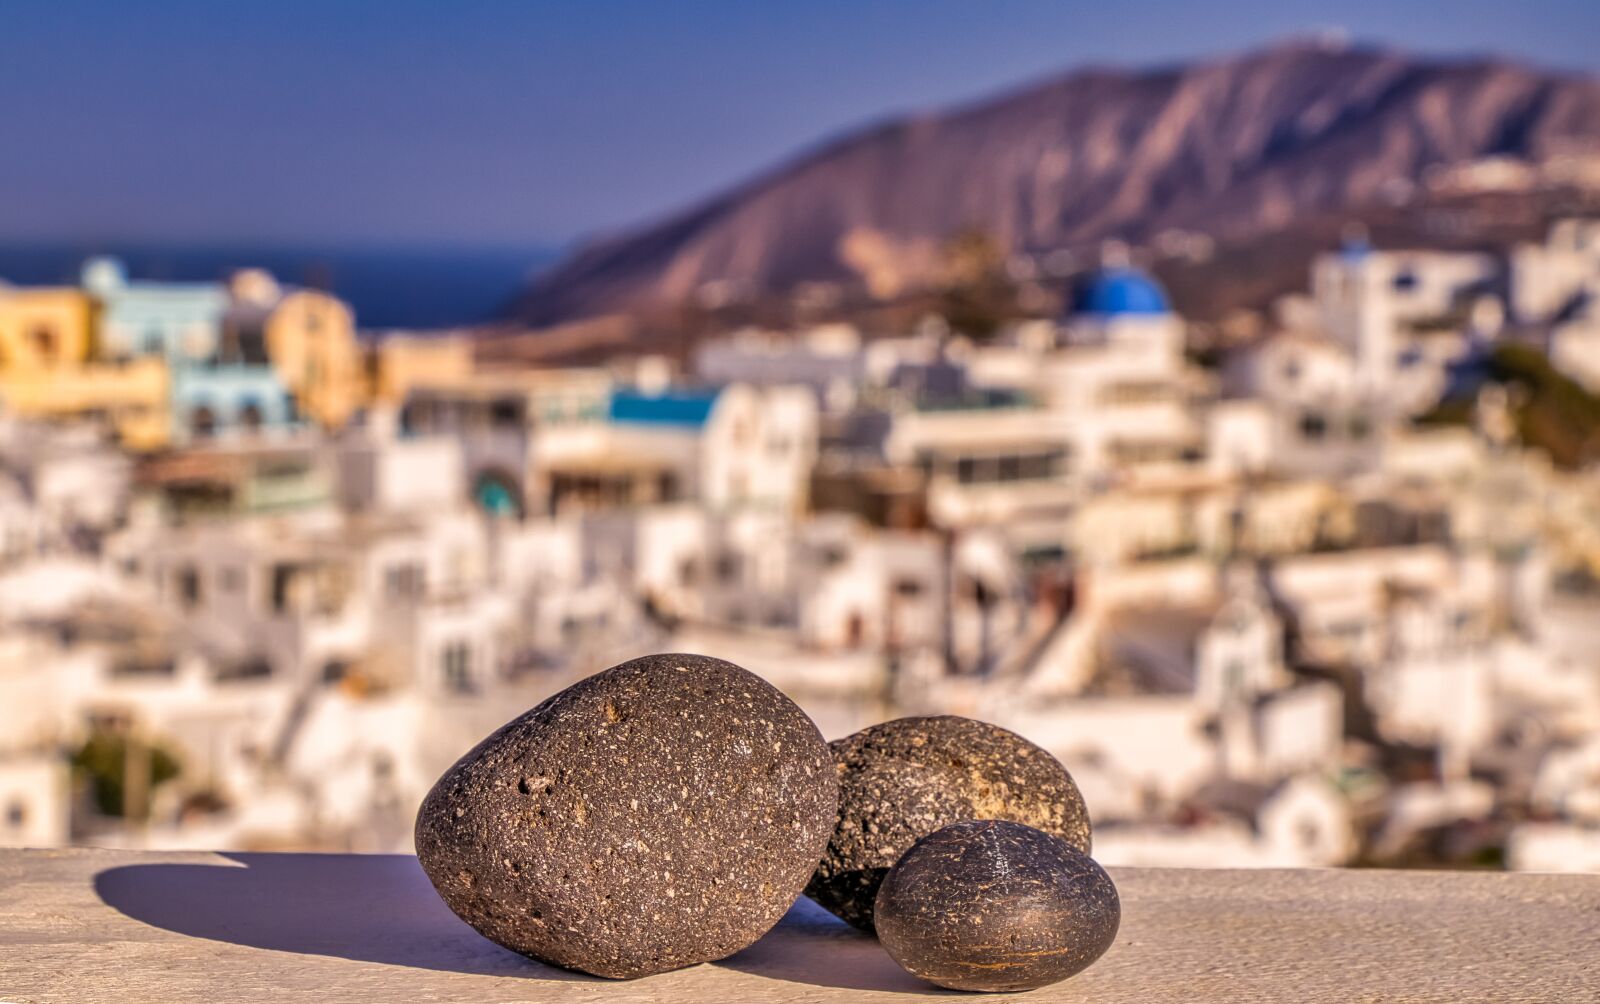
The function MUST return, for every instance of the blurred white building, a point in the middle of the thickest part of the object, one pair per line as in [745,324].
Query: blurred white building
[1262,614]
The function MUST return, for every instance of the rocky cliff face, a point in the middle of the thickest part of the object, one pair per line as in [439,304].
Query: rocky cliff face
[1234,148]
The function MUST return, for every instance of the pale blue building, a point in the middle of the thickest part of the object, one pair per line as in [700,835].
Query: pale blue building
[222,382]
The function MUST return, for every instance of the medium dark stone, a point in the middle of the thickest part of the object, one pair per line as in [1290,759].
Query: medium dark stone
[662,813]
[901,780]
[995,905]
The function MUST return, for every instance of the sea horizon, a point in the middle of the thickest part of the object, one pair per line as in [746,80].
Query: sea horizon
[394,286]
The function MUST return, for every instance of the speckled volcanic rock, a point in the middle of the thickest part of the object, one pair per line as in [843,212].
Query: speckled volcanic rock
[665,812]
[901,780]
[994,905]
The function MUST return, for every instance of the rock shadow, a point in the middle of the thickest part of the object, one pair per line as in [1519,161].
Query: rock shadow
[812,946]
[365,907]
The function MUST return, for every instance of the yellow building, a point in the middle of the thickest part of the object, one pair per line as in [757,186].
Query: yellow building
[308,336]
[44,328]
[48,368]
[401,362]
[311,339]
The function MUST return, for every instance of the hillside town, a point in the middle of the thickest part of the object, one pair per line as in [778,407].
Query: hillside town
[1330,597]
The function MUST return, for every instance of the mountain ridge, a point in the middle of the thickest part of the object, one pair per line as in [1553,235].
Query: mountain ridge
[1231,147]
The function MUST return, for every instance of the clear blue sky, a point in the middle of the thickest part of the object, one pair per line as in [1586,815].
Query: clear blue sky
[493,121]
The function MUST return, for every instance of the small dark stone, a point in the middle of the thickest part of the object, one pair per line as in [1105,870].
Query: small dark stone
[901,780]
[994,905]
[662,813]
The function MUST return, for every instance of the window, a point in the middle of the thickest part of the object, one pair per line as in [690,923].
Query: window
[286,469]
[203,422]
[16,814]
[1313,426]
[907,588]
[1233,677]
[242,342]
[1044,554]
[456,661]
[404,581]
[189,586]
[250,416]
[505,415]
[335,670]
[45,342]
[978,470]
[134,667]
[1307,832]
[249,669]
[1348,631]
[1049,464]
[282,580]
[855,629]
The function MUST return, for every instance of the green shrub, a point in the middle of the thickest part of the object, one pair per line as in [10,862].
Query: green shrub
[103,761]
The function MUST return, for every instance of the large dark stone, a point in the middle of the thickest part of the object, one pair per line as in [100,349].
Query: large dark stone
[994,905]
[662,813]
[901,780]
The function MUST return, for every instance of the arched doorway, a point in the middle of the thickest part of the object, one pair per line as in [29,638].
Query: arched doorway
[250,416]
[496,495]
[203,422]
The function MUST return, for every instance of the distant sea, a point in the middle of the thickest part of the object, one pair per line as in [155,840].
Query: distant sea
[399,287]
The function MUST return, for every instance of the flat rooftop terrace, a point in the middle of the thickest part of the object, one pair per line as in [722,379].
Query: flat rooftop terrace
[91,925]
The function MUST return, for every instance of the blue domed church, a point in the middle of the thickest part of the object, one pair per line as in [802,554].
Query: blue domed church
[1118,291]
[1118,304]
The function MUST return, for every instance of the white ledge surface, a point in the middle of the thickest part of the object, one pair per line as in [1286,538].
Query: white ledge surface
[116,926]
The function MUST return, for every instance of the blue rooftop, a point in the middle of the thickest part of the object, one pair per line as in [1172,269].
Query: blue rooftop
[1355,248]
[1119,290]
[680,407]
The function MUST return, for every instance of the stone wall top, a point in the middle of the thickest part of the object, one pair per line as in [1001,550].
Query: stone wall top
[89,926]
